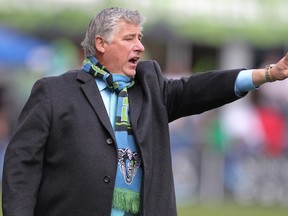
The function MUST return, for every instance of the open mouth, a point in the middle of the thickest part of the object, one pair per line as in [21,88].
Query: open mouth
[134,60]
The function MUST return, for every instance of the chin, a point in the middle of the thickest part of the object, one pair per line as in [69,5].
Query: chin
[131,73]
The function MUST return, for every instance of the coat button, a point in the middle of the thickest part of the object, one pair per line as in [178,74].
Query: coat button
[109,141]
[107,179]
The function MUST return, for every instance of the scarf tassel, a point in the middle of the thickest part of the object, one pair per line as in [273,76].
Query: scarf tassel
[126,200]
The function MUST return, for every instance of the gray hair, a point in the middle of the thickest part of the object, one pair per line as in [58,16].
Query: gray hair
[105,25]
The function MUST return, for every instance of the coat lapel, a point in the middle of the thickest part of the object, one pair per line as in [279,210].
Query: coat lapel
[93,95]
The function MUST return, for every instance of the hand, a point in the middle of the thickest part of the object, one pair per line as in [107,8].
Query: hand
[280,70]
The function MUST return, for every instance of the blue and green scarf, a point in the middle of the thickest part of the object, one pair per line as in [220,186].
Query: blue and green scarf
[126,195]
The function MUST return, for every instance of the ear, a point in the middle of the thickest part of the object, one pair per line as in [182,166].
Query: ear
[99,44]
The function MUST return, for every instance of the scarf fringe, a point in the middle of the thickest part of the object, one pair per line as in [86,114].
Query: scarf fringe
[126,200]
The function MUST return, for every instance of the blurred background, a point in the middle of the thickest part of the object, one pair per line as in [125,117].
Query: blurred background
[232,160]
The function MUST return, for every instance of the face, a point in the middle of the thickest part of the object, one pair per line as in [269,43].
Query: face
[122,54]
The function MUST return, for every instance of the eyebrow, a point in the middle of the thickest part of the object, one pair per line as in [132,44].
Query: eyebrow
[133,35]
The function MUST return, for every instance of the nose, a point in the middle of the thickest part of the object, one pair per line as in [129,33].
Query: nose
[139,47]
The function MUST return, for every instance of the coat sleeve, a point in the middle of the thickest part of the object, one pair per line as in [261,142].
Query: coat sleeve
[198,93]
[23,161]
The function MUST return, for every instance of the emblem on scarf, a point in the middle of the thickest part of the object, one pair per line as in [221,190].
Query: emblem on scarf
[129,163]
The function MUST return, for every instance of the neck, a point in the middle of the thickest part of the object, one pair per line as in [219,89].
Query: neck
[102,62]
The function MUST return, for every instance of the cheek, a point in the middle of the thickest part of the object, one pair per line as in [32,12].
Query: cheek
[119,54]
[122,56]
[113,56]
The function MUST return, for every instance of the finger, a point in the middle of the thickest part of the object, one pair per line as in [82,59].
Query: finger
[286,59]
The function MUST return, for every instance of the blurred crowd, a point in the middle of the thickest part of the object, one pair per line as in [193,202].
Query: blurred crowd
[4,128]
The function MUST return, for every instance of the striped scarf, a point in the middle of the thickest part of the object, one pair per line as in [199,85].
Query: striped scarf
[126,195]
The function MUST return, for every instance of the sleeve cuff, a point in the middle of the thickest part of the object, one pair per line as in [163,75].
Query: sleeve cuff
[244,83]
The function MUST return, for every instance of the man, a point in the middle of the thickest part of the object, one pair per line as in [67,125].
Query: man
[96,141]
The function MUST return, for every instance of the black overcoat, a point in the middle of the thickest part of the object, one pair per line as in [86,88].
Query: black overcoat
[61,160]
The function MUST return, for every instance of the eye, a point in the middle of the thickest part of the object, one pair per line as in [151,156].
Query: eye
[128,38]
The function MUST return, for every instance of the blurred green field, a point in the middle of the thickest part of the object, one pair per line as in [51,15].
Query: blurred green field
[228,210]
[232,209]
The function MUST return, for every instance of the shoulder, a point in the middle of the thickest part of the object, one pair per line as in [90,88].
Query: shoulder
[59,83]
[66,78]
[149,68]
[71,74]
[148,65]
[149,75]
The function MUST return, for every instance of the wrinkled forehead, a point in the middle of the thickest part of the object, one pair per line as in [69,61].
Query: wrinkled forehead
[127,27]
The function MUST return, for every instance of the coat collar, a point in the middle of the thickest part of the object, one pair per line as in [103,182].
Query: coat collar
[93,95]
